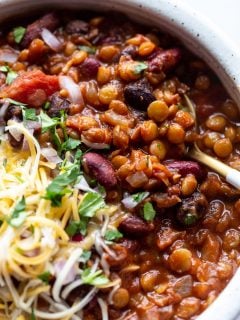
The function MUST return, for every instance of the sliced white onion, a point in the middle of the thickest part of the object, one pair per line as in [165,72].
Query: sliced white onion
[94,145]
[51,40]
[71,275]
[7,55]
[83,185]
[3,109]
[51,155]
[130,203]
[73,89]
[16,133]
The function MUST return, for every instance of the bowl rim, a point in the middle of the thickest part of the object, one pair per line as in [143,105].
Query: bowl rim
[197,33]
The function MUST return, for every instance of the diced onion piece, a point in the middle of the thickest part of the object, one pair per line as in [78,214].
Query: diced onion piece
[73,89]
[16,133]
[130,203]
[83,185]
[3,109]
[51,40]
[71,275]
[51,155]
[94,145]
[137,179]
[7,55]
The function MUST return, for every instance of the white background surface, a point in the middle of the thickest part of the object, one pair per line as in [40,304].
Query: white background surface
[224,13]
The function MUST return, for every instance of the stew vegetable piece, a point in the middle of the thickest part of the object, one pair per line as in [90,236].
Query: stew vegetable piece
[112,220]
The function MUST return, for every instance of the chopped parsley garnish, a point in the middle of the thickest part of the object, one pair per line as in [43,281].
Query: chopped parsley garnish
[190,219]
[33,317]
[70,144]
[45,277]
[112,235]
[91,202]
[148,211]
[29,114]
[95,278]
[18,34]
[140,196]
[75,227]
[86,255]
[11,75]
[18,215]
[47,122]
[87,49]
[58,187]
[16,103]
[140,67]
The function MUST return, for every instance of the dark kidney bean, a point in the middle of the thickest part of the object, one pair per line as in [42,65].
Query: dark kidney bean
[100,168]
[13,112]
[192,209]
[164,60]
[130,50]
[77,26]
[139,95]
[135,227]
[186,167]
[15,143]
[49,21]
[57,104]
[89,67]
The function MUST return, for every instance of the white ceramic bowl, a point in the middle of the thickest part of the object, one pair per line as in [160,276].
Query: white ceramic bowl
[201,37]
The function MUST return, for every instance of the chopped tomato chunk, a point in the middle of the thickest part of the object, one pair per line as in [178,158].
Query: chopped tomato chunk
[32,87]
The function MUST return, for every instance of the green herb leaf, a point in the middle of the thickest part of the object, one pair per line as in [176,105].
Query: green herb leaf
[18,34]
[87,49]
[140,67]
[47,122]
[140,196]
[70,144]
[33,317]
[11,75]
[72,228]
[91,202]
[29,114]
[58,187]
[190,219]
[45,277]
[86,255]
[94,279]
[112,235]
[19,215]
[148,211]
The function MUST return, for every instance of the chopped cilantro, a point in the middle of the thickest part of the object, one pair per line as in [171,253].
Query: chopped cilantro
[140,67]
[11,75]
[58,187]
[85,256]
[140,196]
[87,49]
[190,219]
[148,211]
[29,114]
[91,202]
[18,215]
[47,122]
[33,317]
[70,144]
[95,278]
[112,235]
[45,277]
[46,105]
[18,34]
[75,227]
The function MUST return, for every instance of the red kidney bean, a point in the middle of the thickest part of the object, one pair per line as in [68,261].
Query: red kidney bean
[77,26]
[138,95]
[135,227]
[89,67]
[49,21]
[186,167]
[77,237]
[164,60]
[100,168]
